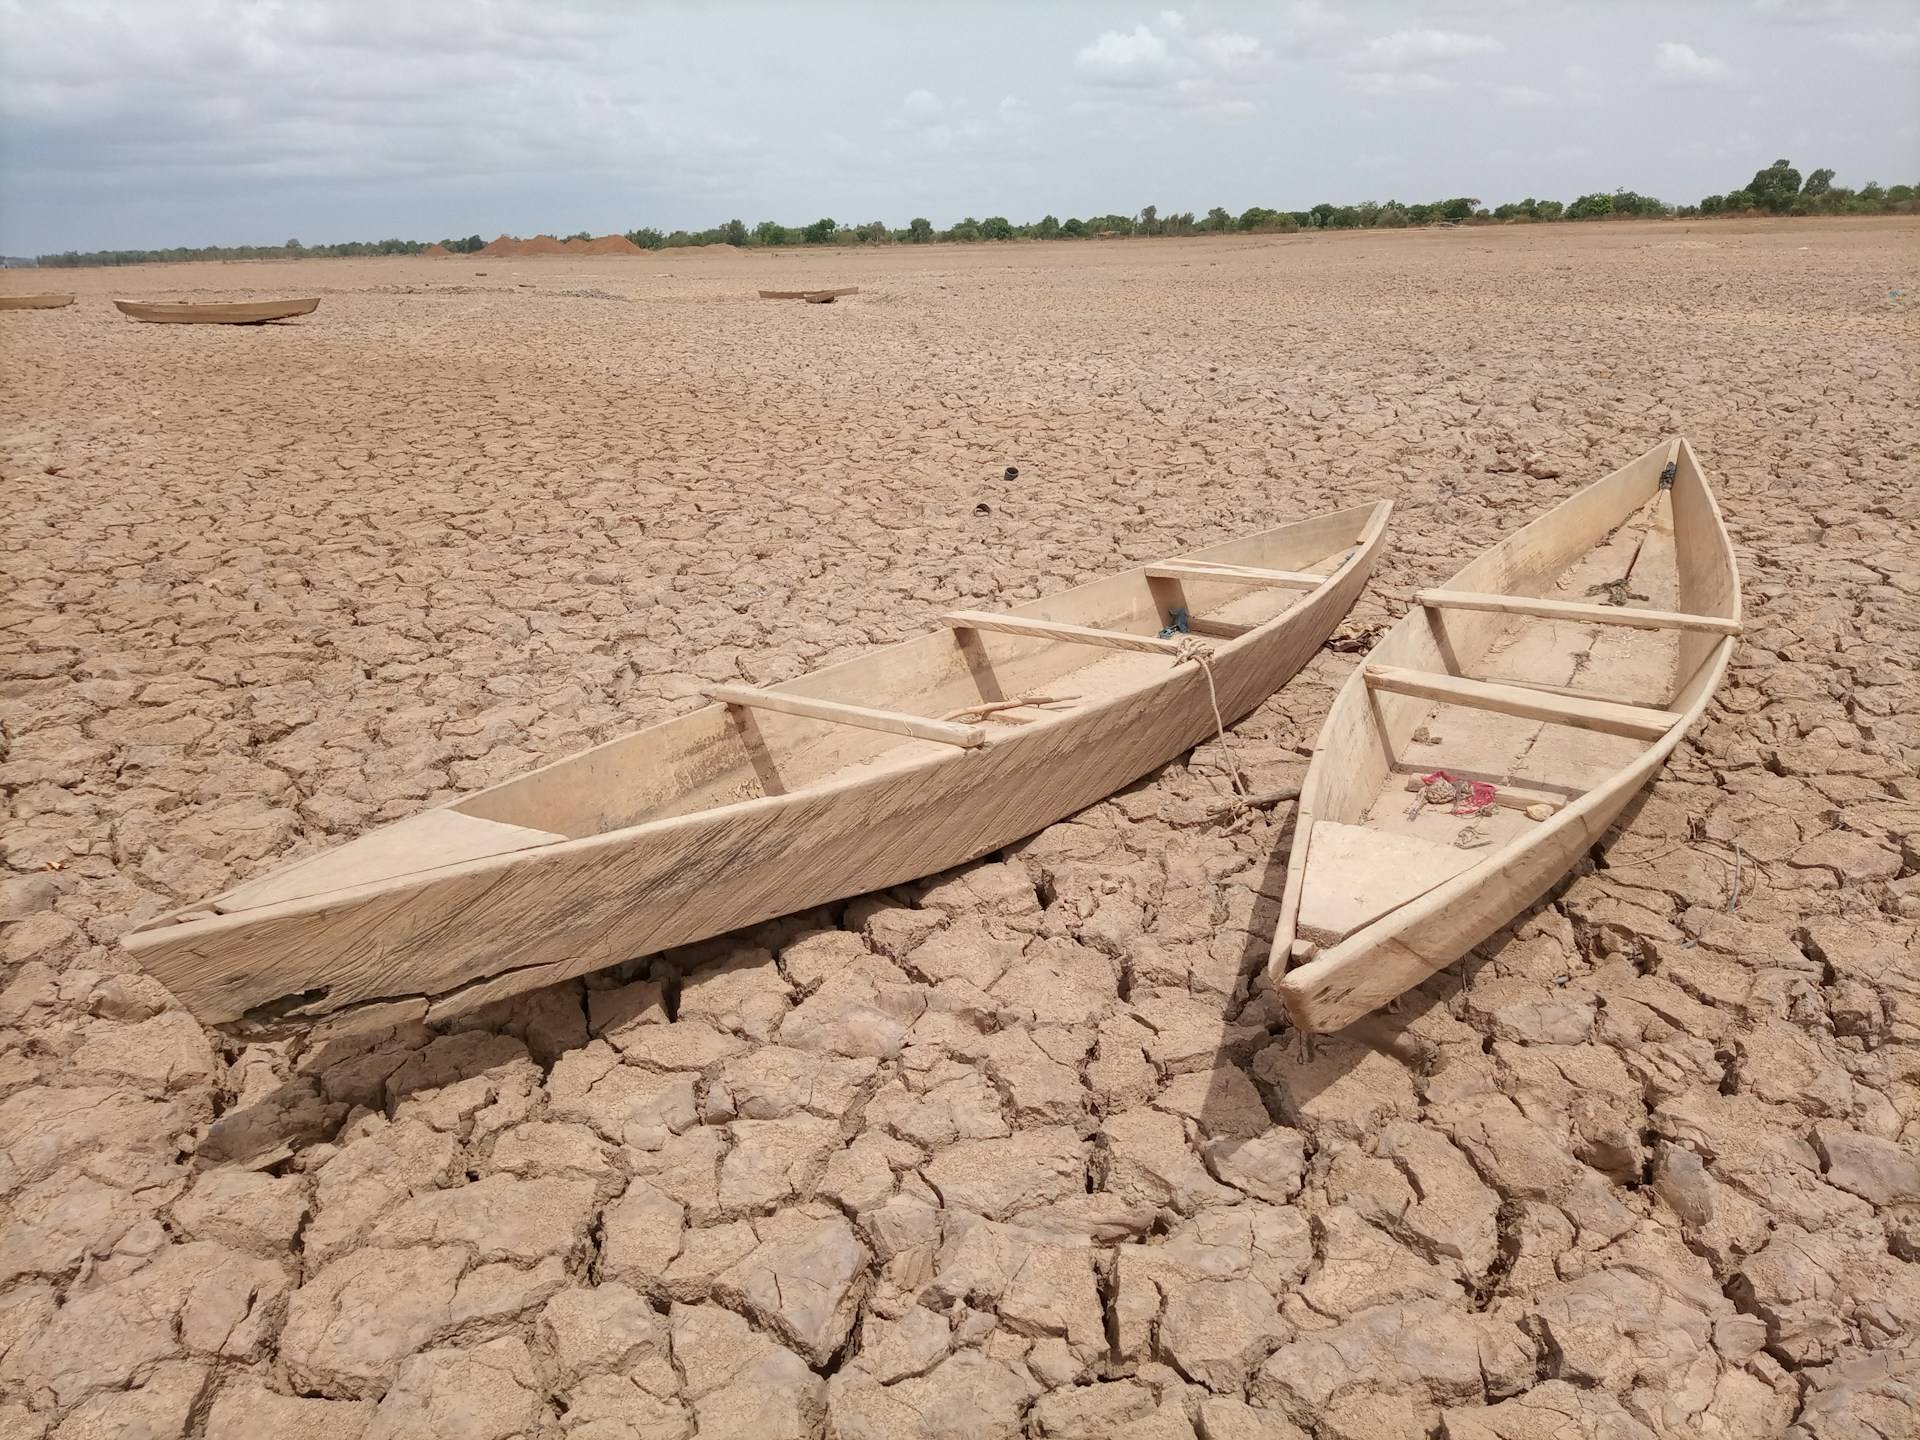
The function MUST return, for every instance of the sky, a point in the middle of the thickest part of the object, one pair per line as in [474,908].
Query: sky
[154,123]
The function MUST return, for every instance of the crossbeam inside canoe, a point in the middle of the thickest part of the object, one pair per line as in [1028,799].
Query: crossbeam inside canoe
[1570,610]
[1636,721]
[1058,630]
[1207,570]
[893,722]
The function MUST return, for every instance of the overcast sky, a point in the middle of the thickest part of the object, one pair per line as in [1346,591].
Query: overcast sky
[168,122]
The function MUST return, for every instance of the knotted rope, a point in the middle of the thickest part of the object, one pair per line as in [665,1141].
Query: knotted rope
[1197,650]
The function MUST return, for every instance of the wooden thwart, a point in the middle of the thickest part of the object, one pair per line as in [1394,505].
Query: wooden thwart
[1234,575]
[1639,722]
[891,721]
[1057,630]
[1217,629]
[1571,610]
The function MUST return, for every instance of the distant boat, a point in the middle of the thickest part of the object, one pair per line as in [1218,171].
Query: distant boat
[35,302]
[812,297]
[898,763]
[238,312]
[1496,732]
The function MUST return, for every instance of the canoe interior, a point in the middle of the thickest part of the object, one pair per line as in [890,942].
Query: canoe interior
[1374,847]
[721,755]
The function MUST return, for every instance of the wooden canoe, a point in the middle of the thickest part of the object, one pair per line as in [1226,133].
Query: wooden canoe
[238,312]
[812,297]
[866,774]
[35,302]
[1531,670]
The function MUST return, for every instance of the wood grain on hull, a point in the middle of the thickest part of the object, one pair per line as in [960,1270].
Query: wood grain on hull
[1621,527]
[450,940]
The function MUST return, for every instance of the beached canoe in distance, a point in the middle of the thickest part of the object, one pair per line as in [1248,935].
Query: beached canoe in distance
[812,297]
[865,774]
[35,302]
[1562,667]
[238,312]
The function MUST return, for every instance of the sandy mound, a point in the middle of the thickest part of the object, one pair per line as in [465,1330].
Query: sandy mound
[610,245]
[502,245]
[436,252]
[542,245]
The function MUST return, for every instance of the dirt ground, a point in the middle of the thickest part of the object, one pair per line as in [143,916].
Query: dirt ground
[1024,1149]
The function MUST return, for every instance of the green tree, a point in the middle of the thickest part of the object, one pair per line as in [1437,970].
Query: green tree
[1461,207]
[874,232]
[734,232]
[1149,221]
[1775,186]
[820,232]
[1047,227]
[996,227]
[770,232]
[920,230]
[1818,183]
[967,231]
[581,235]
[646,237]
[1074,227]
[1590,207]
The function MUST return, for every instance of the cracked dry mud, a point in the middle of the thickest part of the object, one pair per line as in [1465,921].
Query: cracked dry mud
[1025,1149]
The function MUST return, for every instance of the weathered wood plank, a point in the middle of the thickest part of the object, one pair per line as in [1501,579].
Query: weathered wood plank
[1059,630]
[1603,716]
[1568,610]
[892,722]
[1206,570]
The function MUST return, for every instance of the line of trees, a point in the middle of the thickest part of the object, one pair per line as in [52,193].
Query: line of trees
[1776,190]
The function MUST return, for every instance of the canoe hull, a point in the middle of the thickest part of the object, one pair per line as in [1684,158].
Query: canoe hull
[1426,934]
[35,302]
[433,946]
[248,312]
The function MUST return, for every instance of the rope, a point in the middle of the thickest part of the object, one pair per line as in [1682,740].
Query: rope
[1197,650]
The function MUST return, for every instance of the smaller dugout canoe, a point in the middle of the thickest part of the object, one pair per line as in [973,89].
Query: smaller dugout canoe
[35,302]
[812,297]
[1558,670]
[237,312]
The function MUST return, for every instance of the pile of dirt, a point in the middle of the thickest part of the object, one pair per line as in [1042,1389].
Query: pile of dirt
[502,245]
[610,245]
[541,245]
[436,252]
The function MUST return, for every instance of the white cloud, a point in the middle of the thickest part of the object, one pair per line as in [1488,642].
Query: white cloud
[932,125]
[1896,45]
[921,106]
[1581,83]
[1412,48]
[1309,27]
[1135,57]
[1393,82]
[1521,96]
[1683,65]
[1170,63]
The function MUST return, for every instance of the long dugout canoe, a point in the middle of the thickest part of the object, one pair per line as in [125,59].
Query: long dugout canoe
[875,771]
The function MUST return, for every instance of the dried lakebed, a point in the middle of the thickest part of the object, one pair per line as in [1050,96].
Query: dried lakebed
[1023,1149]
